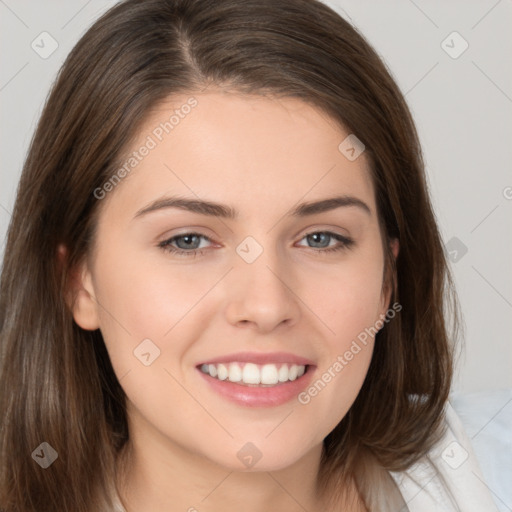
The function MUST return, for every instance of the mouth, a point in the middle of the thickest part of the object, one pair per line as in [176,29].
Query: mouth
[251,374]
[250,384]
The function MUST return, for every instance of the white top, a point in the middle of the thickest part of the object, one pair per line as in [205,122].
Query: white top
[449,478]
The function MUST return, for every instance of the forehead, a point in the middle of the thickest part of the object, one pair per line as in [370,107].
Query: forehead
[259,152]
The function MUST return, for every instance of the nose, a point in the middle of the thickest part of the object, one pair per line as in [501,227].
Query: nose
[262,294]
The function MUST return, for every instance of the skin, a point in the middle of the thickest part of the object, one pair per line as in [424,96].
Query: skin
[184,438]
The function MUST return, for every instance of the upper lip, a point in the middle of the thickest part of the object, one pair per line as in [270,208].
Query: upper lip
[259,358]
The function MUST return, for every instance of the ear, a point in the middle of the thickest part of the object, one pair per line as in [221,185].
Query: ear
[387,288]
[80,297]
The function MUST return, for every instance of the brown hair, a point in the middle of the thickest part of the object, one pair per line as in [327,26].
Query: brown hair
[56,381]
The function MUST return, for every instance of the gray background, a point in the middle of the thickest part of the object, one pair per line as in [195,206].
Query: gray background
[462,104]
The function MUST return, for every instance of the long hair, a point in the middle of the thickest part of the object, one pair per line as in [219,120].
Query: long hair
[57,385]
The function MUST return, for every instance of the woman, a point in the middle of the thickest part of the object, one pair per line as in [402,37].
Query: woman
[297,357]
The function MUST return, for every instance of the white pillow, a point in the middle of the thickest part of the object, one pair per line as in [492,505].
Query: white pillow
[487,420]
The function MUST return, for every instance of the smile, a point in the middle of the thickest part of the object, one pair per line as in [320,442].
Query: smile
[253,385]
[251,374]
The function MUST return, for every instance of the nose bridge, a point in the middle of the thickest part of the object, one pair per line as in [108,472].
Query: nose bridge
[262,292]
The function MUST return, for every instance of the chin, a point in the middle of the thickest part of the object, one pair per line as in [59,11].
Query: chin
[249,459]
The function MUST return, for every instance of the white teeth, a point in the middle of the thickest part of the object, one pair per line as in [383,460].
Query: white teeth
[283,373]
[235,373]
[222,372]
[253,374]
[269,374]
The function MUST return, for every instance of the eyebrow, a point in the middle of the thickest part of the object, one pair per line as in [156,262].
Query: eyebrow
[226,212]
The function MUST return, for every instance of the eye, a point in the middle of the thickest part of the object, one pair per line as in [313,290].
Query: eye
[187,241]
[321,237]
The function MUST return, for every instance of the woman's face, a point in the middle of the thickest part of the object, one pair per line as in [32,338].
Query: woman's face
[267,287]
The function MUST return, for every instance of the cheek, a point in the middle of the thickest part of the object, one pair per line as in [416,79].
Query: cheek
[149,299]
[347,299]
[349,303]
[139,302]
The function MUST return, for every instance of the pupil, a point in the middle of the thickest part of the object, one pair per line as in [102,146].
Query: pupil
[315,237]
[188,239]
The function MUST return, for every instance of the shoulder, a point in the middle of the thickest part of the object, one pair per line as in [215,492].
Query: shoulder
[448,478]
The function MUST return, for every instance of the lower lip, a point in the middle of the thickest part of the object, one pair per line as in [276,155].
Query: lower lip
[256,396]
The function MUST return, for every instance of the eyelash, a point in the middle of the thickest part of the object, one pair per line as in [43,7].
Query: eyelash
[346,243]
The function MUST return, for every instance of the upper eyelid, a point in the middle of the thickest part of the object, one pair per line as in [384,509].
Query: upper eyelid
[168,240]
